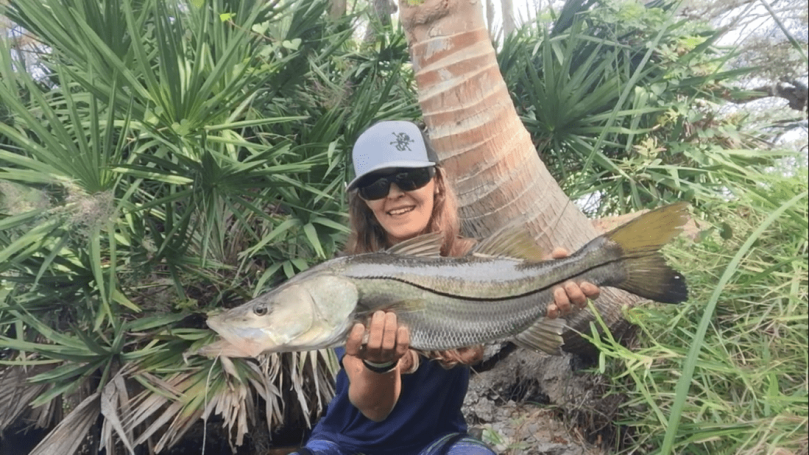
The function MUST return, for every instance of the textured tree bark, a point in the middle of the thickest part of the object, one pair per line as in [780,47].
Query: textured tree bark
[479,138]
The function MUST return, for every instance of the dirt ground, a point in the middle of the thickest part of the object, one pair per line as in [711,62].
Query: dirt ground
[535,404]
[530,429]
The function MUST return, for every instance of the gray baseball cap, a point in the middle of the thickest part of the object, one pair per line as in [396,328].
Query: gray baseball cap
[388,145]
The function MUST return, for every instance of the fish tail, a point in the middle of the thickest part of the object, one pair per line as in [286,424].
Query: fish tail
[639,241]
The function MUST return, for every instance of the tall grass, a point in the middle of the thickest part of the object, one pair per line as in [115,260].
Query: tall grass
[726,373]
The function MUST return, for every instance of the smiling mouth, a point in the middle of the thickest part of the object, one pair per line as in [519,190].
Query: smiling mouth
[400,211]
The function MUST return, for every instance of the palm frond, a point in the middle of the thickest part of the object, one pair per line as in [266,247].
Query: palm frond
[17,394]
[69,434]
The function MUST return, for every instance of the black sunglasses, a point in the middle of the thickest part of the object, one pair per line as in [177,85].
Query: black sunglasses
[378,186]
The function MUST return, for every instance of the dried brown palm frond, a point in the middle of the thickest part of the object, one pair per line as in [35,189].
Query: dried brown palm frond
[164,409]
[68,436]
[145,408]
[115,400]
[17,393]
[321,378]
[168,408]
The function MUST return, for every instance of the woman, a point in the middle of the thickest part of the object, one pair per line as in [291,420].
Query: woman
[390,399]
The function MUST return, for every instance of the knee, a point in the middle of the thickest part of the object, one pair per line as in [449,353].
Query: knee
[469,446]
[319,447]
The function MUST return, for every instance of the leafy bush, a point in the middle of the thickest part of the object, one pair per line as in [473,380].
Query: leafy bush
[621,101]
[726,372]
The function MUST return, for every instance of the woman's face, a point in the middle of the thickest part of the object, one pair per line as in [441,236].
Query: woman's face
[404,214]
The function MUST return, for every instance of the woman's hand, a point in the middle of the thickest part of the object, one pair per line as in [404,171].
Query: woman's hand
[387,340]
[376,393]
[570,295]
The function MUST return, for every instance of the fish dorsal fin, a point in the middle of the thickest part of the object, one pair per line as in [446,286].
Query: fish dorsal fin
[512,241]
[425,245]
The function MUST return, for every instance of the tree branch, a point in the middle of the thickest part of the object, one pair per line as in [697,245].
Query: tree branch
[794,91]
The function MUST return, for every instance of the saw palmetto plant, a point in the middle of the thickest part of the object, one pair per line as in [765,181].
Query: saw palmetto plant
[153,169]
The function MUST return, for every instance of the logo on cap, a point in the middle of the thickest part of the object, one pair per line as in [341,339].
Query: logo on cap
[402,141]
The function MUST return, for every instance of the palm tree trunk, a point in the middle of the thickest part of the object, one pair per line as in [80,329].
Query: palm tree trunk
[478,136]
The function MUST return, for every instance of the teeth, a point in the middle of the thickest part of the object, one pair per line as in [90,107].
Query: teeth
[400,211]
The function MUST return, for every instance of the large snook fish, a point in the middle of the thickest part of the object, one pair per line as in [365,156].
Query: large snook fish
[500,291]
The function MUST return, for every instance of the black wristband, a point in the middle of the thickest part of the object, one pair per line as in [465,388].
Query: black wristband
[379,369]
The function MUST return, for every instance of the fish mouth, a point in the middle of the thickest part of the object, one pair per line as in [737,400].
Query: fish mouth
[252,341]
[215,323]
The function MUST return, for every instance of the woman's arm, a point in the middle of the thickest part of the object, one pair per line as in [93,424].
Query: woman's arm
[376,393]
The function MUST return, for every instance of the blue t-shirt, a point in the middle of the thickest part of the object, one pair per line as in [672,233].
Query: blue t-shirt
[429,407]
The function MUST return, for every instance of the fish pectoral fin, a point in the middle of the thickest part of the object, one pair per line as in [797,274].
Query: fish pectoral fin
[544,335]
[512,241]
[425,245]
[398,307]
[409,306]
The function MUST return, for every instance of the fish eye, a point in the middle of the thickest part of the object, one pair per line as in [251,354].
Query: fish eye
[260,310]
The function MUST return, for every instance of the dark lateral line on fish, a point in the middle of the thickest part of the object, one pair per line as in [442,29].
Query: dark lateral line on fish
[486,299]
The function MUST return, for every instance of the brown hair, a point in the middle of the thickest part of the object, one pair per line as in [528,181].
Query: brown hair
[368,236]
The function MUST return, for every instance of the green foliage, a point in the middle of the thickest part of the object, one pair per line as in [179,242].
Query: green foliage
[621,103]
[167,159]
[726,373]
